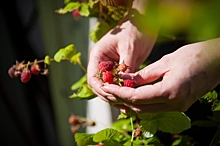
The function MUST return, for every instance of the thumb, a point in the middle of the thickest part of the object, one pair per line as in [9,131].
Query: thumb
[150,73]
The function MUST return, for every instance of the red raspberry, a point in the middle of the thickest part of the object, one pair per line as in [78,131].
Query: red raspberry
[108,77]
[76,13]
[106,66]
[11,72]
[35,68]
[128,83]
[100,144]
[25,75]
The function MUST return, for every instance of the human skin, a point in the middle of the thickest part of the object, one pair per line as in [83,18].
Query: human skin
[125,43]
[187,74]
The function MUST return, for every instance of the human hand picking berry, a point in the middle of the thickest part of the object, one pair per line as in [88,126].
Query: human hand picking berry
[126,44]
[187,74]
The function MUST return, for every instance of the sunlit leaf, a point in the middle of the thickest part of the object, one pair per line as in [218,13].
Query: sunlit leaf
[83,139]
[47,60]
[70,50]
[69,8]
[84,92]
[84,10]
[75,58]
[59,55]
[106,134]
[79,83]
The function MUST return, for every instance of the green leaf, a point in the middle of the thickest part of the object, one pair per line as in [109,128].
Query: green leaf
[149,125]
[112,143]
[84,10]
[106,134]
[99,31]
[122,116]
[70,50]
[84,92]
[216,105]
[79,83]
[170,122]
[83,139]
[75,58]
[69,8]
[122,125]
[47,60]
[59,55]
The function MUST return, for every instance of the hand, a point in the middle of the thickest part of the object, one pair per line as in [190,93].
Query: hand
[187,74]
[124,43]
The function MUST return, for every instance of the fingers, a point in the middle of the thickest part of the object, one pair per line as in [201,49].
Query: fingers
[148,94]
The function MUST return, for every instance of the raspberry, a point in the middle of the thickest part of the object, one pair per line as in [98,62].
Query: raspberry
[76,13]
[100,144]
[106,66]
[74,120]
[122,67]
[11,72]
[25,75]
[128,83]
[35,68]
[108,77]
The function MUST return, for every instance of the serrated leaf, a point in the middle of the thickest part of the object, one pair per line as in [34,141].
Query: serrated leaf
[75,58]
[122,116]
[122,125]
[47,60]
[106,134]
[69,8]
[84,92]
[59,55]
[83,139]
[112,143]
[79,83]
[149,125]
[84,10]
[70,50]
[99,31]
[171,122]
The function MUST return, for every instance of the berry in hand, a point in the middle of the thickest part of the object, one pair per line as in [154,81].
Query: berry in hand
[35,68]
[122,67]
[25,75]
[106,66]
[108,77]
[128,83]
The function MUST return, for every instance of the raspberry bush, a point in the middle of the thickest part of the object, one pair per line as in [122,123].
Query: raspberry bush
[131,128]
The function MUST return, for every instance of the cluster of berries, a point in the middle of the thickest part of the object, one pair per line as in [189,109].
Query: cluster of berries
[25,71]
[76,122]
[109,73]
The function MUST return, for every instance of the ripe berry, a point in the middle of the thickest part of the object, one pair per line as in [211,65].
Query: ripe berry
[106,66]
[35,68]
[108,77]
[100,144]
[25,75]
[11,72]
[74,120]
[76,13]
[128,83]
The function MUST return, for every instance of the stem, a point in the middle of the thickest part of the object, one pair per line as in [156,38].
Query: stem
[132,127]
[216,133]
[81,65]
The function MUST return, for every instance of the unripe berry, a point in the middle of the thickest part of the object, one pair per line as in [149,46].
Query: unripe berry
[35,68]
[25,75]
[122,67]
